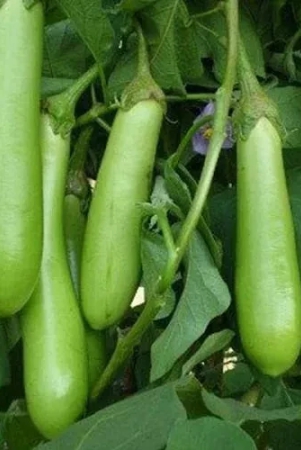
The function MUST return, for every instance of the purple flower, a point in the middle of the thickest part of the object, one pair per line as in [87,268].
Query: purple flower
[201,138]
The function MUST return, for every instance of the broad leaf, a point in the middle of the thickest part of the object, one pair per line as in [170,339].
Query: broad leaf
[288,100]
[208,433]
[53,86]
[142,422]
[95,26]
[238,380]
[176,188]
[175,50]
[238,412]
[134,5]
[212,344]
[283,435]
[65,54]
[168,28]
[205,296]
[18,430]
[214,31]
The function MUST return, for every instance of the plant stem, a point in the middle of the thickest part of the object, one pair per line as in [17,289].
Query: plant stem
[166,230]
[215,10]
[103,83]
[249,83]
[191,97]
[78,158]
[125,345]
[223,101]
[103,124]
[289,57]
[77,183]
[176,157]
[62,106]
[97,110]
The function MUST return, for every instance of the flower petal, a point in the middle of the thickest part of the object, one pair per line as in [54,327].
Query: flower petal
[200,144]
[208,110]
[229,141]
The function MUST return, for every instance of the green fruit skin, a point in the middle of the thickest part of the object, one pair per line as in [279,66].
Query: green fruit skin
[268,292]
[21,38]
[111,252]
[55,357]
[74,227]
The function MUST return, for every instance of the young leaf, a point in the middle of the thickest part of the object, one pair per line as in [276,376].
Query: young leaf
[143,422]
[205,297]
[212,344]
[176,188]
[154,258]
[208,433]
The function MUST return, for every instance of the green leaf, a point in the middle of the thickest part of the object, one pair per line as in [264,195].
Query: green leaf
[154,258]
[237,380]
[189,391]
[282,435]
[175,53]
[222,211]
[174,49]
[297,10]
[134,5]
[205,296]
[288,100]
[176,188]
[214,30]
[208,433]
[160,197]
[239,413]
[277,7]
[125,69]
[53,86]
[212,344]
[94,26]
[19,432]
[281,398]
[65,54]
[292,158]
[143,422]
[30,3]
